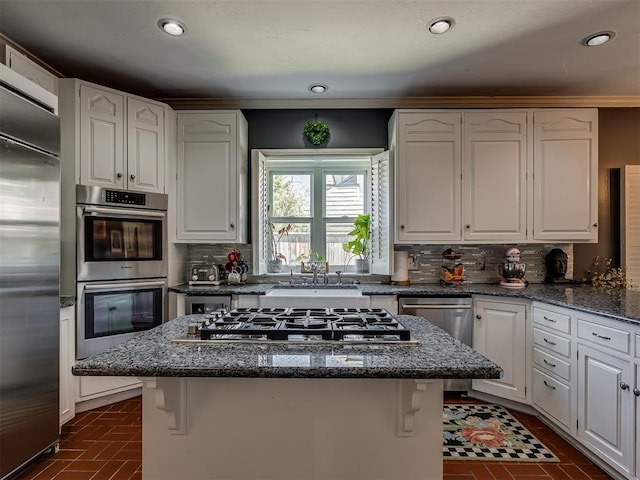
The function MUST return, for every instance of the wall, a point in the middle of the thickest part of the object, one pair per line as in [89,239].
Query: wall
[348,128]
[619,144]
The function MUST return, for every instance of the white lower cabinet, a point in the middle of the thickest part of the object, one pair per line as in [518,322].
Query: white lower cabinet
[500,334]
[604,406]
[67,359]
[636,406]
[97,391]
[553,364]
[388,302]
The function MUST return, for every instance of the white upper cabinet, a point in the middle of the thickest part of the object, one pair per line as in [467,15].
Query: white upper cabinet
[212,176]
[117,139]
[29,69]
[494,176]
[427,171]
[565,180]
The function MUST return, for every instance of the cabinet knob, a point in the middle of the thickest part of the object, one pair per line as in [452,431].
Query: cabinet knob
[119,175]
[401,227]
[232,226]
[479,317]
[467,226]
[624,386]
[132,176]
[595,225]
[636,392]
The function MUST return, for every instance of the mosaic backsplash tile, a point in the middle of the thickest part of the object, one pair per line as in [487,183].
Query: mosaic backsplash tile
[481,262]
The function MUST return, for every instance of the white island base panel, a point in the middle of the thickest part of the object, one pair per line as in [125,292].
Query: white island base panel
[291,428]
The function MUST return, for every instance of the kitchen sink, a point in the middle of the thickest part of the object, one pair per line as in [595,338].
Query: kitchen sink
[314,296]
[314,291]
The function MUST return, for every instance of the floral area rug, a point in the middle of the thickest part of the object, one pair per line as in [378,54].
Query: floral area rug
[489,432]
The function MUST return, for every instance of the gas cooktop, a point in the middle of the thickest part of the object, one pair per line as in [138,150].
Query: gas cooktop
[315,325]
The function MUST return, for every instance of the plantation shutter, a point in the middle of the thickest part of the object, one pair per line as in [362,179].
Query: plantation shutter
[630,223]
[261,220]
[381,241]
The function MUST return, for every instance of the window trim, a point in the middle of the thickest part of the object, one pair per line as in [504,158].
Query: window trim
[323,159]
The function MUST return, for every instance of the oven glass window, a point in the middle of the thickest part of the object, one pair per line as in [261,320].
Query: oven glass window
[108,239]
[126,311]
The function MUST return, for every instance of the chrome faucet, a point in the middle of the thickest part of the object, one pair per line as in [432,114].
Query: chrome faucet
[314,269]
[339,274]
[325,278]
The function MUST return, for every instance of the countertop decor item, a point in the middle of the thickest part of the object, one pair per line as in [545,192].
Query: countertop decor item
[316,131]
[489,432]
[604,274]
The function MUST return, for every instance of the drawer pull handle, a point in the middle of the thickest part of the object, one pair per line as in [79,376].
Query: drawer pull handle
[600,336]
[549,319]
[636,392]
[547,385]
[624,386]
[550,343]
[552,365]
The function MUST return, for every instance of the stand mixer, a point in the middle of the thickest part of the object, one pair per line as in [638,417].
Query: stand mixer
[512,271]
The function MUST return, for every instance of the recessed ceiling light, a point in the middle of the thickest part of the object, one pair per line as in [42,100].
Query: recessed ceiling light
[318,88]
[599,38]
[171,26]
[441,25]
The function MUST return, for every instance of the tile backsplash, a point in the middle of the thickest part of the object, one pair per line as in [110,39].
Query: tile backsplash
[480,261]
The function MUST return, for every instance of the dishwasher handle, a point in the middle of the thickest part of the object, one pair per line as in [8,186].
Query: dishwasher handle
[431,306]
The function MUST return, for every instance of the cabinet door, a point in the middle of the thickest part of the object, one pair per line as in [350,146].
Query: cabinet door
[500,335]
[207,176]
[67,358]
[604,405]
[428,171]
[101,138]
[636,415]
[494,176]
[27,68]
[145,146]
[565,175]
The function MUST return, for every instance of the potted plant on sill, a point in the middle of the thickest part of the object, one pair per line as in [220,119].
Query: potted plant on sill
[277,258]
[312,260]
[359,244]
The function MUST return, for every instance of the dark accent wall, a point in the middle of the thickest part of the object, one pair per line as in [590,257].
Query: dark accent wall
[348,128]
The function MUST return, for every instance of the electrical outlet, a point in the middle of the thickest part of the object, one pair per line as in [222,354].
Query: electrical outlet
[413,262]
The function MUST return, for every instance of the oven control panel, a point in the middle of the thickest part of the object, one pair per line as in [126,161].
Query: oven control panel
[128,198]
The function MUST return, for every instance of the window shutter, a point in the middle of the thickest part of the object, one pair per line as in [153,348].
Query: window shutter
[630,223]
[381,242]
[261,219]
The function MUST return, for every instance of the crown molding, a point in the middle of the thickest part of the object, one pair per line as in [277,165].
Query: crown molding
[406,102]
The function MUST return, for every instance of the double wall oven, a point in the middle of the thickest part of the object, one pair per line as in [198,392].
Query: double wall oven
[121,265]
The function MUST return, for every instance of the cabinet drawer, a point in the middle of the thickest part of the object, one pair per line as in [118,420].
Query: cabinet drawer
[551,342]
[606,336]
[554,320]
[552,396]
[552,364]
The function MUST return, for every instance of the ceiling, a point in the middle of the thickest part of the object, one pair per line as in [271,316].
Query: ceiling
[368,52]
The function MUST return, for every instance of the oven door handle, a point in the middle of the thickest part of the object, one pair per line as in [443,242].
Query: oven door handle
[130,212]
[437,307]
[111,286]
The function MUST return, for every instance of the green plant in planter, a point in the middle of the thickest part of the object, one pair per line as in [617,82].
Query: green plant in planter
[359,245]
[317,132]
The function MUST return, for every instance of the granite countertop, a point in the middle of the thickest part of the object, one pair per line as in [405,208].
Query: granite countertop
[153,354]
[620,305]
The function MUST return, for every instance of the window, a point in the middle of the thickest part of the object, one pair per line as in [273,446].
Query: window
[306,203]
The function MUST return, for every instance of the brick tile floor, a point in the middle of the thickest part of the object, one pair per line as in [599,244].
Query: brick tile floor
[106,444]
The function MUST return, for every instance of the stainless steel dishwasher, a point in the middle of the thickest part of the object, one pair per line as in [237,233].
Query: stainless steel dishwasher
[453,314]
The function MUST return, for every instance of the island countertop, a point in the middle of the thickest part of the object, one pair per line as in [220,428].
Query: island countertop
[154,354]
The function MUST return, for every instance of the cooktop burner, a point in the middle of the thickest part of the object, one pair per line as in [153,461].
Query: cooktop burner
[344,325]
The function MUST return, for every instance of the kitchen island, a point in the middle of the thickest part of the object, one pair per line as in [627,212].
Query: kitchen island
[248,410]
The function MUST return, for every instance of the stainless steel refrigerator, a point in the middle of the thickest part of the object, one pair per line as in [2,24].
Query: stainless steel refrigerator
[29,278]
